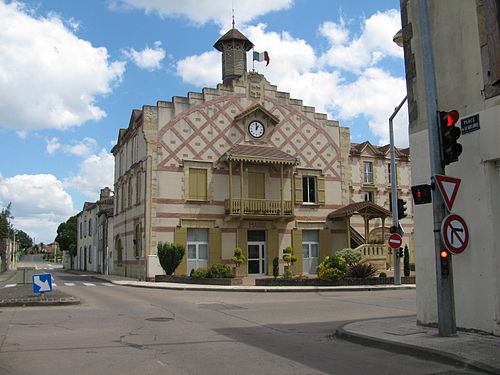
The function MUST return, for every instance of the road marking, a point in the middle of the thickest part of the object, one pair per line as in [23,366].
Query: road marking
[108,284]
[69,284]
[88,284]
[9,285]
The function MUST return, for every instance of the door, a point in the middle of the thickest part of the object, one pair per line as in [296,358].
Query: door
[197,248]
[256,240]
[310,251]
[256,185]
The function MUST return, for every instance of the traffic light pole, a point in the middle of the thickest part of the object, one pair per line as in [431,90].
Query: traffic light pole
[445,297]
[394,194]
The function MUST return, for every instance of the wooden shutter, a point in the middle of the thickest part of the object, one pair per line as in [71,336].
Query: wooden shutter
[321,189]
[298,188]
[242,243]
[214,246]
[297,249]
[325,243]
[272,249]
[180,237]
[197,184]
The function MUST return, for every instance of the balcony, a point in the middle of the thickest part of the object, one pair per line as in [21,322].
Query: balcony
[258,208]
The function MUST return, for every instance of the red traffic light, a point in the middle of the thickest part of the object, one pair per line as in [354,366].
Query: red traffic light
[450,118]
[444,254]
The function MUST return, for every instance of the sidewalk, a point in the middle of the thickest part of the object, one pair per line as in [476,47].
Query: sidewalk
[402,335]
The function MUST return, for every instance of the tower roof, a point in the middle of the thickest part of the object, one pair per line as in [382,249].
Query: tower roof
[233,34]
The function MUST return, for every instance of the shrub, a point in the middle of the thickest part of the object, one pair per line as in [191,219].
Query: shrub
[287,274]
[288,256]
[170,256]
[361,270]
[199,273]
[350,255]
[382,274]
[218,270]
[332,268]
[238,257]
[406,262]
[276,267]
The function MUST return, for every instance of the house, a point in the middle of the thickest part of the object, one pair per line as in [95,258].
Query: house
[240,165]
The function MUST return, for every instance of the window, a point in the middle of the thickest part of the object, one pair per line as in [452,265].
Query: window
[138,188]
[90,227]
[81,230]
[137,241]
[129,193]
[123,197]
[368,169]
[489,38]
[309,189]
[369,196]
[197,246]
[197,184]
[118,251]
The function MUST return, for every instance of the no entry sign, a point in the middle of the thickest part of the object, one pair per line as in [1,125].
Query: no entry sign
[395,241]
[454,233]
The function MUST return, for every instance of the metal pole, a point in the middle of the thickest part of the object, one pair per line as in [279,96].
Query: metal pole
[394,193]
[445,298]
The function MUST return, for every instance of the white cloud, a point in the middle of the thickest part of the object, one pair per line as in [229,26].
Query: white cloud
[22,134]
[52,145]
[74,72]
[200,12]
[371,93]
[148,58]
[39,204]
[83,148]
[94,173]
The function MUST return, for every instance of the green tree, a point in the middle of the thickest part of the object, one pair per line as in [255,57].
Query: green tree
[67,234]
[406,262]
[24,240]
[170,256]
[5,225]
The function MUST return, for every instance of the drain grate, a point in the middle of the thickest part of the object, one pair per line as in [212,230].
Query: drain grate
[159,319]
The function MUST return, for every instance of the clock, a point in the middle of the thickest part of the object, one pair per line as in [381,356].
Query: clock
[256,129]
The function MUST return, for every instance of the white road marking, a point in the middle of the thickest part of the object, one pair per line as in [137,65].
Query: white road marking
[69,284]
[108,284]
[88,284]
[9,285]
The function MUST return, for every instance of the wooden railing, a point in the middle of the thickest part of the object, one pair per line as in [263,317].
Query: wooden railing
[258,207]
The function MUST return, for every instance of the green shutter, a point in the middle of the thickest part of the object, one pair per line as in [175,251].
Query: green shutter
[321,189]
[272,249]
[214,246]
[297,249]
[180,237]
[242,243]
[298,188]
[325,243]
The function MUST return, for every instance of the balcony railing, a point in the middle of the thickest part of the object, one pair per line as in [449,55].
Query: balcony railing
[258,207]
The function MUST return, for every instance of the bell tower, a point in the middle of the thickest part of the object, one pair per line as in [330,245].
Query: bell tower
[234,46]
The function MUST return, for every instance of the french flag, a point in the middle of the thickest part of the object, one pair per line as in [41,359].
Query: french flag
[261,56]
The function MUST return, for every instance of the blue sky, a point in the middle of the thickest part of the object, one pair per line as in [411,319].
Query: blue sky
[72,71]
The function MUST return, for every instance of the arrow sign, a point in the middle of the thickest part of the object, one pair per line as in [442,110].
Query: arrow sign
[42,283]
[448,186]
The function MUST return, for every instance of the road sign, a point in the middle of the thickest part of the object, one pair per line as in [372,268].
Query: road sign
[448,186]
[42,283]
[454,233]
[395,241]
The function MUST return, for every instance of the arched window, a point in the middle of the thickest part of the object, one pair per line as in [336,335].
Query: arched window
[118,251]
[137,241]
[90,227]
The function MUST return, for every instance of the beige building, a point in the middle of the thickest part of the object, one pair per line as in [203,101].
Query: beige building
[466,49]
[239,165]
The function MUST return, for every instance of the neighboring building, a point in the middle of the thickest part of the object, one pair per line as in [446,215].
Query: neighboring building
[242,165]
[93,224]
[466,48]
[9,254]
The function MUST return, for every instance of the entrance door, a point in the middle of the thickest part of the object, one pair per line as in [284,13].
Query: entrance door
[310,251]
[256,252]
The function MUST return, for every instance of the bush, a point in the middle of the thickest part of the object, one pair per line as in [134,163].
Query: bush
[276,267]
[199,273]
[238,257]
[288,256]
[332,268]
[361,270]
[351,256]
[382,274]
[218,270]
[170,256]
[406,262]
[287,274]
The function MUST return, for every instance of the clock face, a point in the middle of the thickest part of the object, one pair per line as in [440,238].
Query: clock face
[256,129]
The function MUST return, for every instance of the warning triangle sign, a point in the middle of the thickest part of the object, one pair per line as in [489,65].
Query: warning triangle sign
[448,186]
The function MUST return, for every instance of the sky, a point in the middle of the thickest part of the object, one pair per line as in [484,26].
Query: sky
[71,72]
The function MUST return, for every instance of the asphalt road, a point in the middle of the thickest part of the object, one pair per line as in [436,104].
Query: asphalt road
[125,330]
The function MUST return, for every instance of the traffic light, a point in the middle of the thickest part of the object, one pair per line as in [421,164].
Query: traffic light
[401,209]
[399,252]
[393,229]
[450,149]
[421,194]
[444,257]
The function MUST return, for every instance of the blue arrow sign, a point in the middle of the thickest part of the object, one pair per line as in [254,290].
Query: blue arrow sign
[42,283]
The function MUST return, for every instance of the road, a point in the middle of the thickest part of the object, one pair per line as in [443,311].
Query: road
[125,330]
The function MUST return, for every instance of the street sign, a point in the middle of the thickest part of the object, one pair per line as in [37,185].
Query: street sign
[395,241]
[448,186]
[454,233]
[42,283]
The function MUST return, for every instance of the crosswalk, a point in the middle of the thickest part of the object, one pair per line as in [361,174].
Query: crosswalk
[69,284]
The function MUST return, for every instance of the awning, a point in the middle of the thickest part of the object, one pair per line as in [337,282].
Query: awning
[259,155]
[366,208]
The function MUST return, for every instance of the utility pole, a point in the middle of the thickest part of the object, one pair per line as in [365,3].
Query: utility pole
[445,297]
[394,194]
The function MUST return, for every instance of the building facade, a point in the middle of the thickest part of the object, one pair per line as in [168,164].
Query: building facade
[240,165]
[466,49]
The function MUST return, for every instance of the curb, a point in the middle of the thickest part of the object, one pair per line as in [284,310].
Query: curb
[20,302]
[414,351]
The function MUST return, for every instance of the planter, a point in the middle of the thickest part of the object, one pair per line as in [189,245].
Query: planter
[196,280]
[344,282]
[239,271]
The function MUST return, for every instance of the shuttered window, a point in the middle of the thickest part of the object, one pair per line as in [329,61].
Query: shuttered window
[197,184]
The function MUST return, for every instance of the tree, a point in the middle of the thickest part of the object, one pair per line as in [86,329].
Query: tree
[170,256]
[24,240]
[5,225]
[67,235]
[406,262]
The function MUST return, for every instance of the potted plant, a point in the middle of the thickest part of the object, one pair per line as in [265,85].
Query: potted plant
[238,258]
[289,258]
